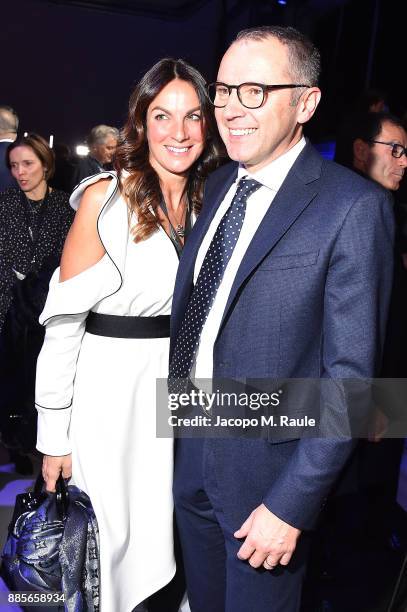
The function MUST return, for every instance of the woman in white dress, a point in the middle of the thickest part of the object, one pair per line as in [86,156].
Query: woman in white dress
[107,330]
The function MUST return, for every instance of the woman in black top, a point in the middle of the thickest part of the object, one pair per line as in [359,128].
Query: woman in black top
[34,221]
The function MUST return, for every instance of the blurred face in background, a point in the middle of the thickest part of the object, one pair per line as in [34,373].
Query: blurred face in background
[175,131]
[104,151]
[381,165]
[28,170]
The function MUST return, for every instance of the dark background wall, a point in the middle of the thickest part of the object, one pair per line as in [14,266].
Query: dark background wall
[66,66]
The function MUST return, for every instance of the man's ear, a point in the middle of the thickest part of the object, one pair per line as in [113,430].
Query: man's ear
[360,150]
[307,104]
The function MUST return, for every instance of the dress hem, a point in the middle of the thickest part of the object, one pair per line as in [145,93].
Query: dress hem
[159,585]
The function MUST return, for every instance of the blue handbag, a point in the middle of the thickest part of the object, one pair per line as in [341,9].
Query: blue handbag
[52,547]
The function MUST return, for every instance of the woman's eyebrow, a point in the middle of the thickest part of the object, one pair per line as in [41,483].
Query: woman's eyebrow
[164,110]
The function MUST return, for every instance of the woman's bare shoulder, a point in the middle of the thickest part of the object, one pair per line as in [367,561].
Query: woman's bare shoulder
[94,195]
[83,247]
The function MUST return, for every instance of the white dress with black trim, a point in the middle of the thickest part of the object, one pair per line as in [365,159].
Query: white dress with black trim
[96,398]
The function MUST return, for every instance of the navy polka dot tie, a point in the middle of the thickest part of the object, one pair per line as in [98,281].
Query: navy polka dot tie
[210,276]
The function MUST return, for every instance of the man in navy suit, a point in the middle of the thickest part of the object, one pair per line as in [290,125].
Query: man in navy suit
[8,134]
[303,294]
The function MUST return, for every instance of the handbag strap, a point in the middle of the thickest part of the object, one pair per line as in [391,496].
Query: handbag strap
[61,494]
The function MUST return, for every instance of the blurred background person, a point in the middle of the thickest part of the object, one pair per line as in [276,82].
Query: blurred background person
[374,145]
[368,102]
[34,221]
[379,152]
[363,511]
[8,133]
[379,149]
[102,143]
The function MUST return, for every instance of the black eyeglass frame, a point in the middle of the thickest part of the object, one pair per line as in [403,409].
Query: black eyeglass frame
[264,87]
[393,146]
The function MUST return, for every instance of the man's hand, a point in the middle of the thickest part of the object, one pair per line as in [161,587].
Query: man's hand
[53,466]
[269,540]
[378,427]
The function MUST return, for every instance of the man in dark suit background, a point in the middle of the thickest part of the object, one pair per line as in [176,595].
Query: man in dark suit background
[287,274]
[363,512]
[8,134]
[102,143]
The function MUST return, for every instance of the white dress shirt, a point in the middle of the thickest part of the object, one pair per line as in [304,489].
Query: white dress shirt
[271,178]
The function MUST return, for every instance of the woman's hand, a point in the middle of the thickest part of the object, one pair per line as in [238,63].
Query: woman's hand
[52,467]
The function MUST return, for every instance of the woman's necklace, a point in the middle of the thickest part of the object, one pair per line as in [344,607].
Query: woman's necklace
[33,208]
[178,227]
[34,211]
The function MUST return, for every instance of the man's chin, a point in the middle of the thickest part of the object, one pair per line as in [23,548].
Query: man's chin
[238,156]
[393,186]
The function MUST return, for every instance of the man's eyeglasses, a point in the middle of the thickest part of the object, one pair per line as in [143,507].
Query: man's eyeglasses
[397,150]
[251,95]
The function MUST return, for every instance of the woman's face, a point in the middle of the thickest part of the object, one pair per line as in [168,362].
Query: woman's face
[175,131]
[26,168]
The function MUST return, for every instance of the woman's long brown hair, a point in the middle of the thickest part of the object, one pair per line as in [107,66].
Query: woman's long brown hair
[141,187]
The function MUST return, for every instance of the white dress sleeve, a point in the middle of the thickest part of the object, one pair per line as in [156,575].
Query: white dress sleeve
[64,315]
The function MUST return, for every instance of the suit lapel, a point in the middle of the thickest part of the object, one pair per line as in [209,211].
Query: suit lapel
[295,194]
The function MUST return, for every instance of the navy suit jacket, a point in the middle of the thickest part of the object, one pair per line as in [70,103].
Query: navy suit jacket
[309,300]
[6,179]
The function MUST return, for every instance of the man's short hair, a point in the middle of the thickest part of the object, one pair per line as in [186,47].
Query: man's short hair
[370,125]
[366,126]
[99,133]
[8,119]
[304,58]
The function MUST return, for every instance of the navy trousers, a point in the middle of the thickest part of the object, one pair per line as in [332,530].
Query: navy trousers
[217,581]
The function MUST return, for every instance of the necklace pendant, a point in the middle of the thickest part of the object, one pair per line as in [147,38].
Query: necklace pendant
[180,230]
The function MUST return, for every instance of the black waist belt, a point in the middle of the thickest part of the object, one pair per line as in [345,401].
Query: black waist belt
[115,326]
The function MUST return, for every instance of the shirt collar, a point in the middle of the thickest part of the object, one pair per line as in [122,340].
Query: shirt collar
[273,175]
[6,140]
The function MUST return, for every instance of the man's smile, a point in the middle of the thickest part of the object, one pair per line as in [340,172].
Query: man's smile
[241,131]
